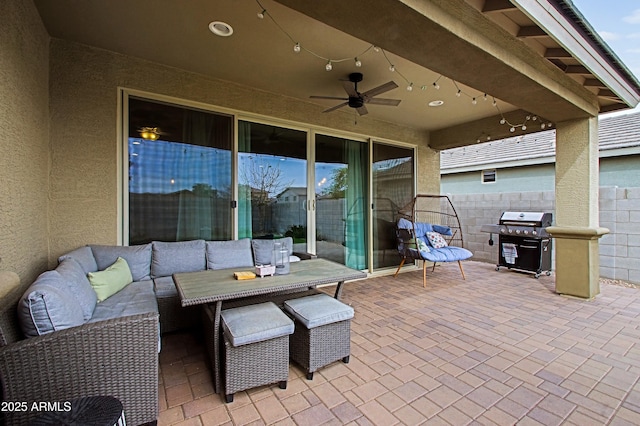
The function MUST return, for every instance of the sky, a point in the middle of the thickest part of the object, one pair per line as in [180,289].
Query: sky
[618,23]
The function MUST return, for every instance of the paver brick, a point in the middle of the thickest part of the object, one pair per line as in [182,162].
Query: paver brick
[452,353]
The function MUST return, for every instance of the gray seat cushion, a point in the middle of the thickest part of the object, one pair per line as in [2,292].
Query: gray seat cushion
[263,249]
[136,298]
[255,323]
[175,257]
[138,258]
[48,305]
[320,309]
[84,256]
[165,287]
[78,283]
[229,254]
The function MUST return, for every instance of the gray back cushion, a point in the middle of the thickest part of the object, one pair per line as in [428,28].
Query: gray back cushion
[84,257]
[48,305]
[78,283]
[229,254]
[263,249]
[172,258]
[138,258]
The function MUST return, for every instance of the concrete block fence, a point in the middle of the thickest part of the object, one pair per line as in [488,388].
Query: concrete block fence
[619,211]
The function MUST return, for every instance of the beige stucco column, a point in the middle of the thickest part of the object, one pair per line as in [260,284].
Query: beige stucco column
[576,231]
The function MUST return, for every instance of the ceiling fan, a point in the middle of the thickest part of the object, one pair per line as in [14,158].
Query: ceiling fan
[357,100]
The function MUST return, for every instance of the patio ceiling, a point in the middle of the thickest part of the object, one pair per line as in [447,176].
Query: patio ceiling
[259,54]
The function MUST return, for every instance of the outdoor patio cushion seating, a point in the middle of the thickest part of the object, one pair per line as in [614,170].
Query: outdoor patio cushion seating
[174,257]
[430,242]
[256,342]
[84,257]
[229,254]
[116,356]
[263,250]
[138,258]
[76,279]
[322,331]
[48,305]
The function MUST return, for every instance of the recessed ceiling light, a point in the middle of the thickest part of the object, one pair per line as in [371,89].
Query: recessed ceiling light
[436,103]
[220,28]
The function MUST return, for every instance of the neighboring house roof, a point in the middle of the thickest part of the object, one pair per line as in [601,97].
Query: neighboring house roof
[618,135]
[295,190]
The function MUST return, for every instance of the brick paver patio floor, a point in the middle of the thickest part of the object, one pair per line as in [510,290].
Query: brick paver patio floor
[499,348]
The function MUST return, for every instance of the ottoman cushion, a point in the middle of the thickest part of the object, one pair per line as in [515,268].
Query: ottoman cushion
[255,323]
[317,310]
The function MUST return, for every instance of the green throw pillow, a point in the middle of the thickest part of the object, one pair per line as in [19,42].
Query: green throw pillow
[110,281]
[422,246]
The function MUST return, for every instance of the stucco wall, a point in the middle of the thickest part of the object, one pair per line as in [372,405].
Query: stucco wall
[24,130]
[84,125]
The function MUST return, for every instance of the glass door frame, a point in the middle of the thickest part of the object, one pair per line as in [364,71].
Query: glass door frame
[414,149]
[311,132]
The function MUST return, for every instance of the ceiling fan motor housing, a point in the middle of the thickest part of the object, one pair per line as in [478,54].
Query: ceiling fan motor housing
[355,102]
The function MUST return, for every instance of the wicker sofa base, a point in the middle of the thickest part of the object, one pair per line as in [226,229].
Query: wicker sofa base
[320,346]
[174,317]
[255,364]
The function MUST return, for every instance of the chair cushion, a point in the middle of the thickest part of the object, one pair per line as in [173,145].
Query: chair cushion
[229,254]
[76,280]
[447,254]
[84,256]
[136,298]
[110,281]
[255,323]
[165,287]
[317,310]
[422,228]
[263,249]
[138,258]
[174,257]
[48,305]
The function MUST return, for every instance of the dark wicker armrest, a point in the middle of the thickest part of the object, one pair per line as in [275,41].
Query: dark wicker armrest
[304,255]
[117,357]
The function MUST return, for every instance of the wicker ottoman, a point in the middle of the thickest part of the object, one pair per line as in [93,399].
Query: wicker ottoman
[256,347]
[322,331]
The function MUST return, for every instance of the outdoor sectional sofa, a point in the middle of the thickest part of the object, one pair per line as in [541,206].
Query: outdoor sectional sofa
[58,343]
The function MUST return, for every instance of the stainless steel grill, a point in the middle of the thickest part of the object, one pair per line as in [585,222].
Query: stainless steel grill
[523,242]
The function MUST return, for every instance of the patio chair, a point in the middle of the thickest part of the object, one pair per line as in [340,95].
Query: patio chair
[430,232]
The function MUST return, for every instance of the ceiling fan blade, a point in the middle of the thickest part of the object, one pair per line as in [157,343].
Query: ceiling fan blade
[349,87]
[333,108]
[329,97]
[384,101]
[362,110]
[380,89]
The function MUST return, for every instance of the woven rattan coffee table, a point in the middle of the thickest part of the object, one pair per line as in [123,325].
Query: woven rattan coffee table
[218,286]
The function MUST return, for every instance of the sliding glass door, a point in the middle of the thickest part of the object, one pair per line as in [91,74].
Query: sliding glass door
[341,208]
[323,191]
[392,188]
[272,182]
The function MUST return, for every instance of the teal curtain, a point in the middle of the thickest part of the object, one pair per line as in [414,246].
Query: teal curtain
[195,210]
[244,189]
[356,203]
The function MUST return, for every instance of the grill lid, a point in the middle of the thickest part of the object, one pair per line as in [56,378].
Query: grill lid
[526,218]
[521,217]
